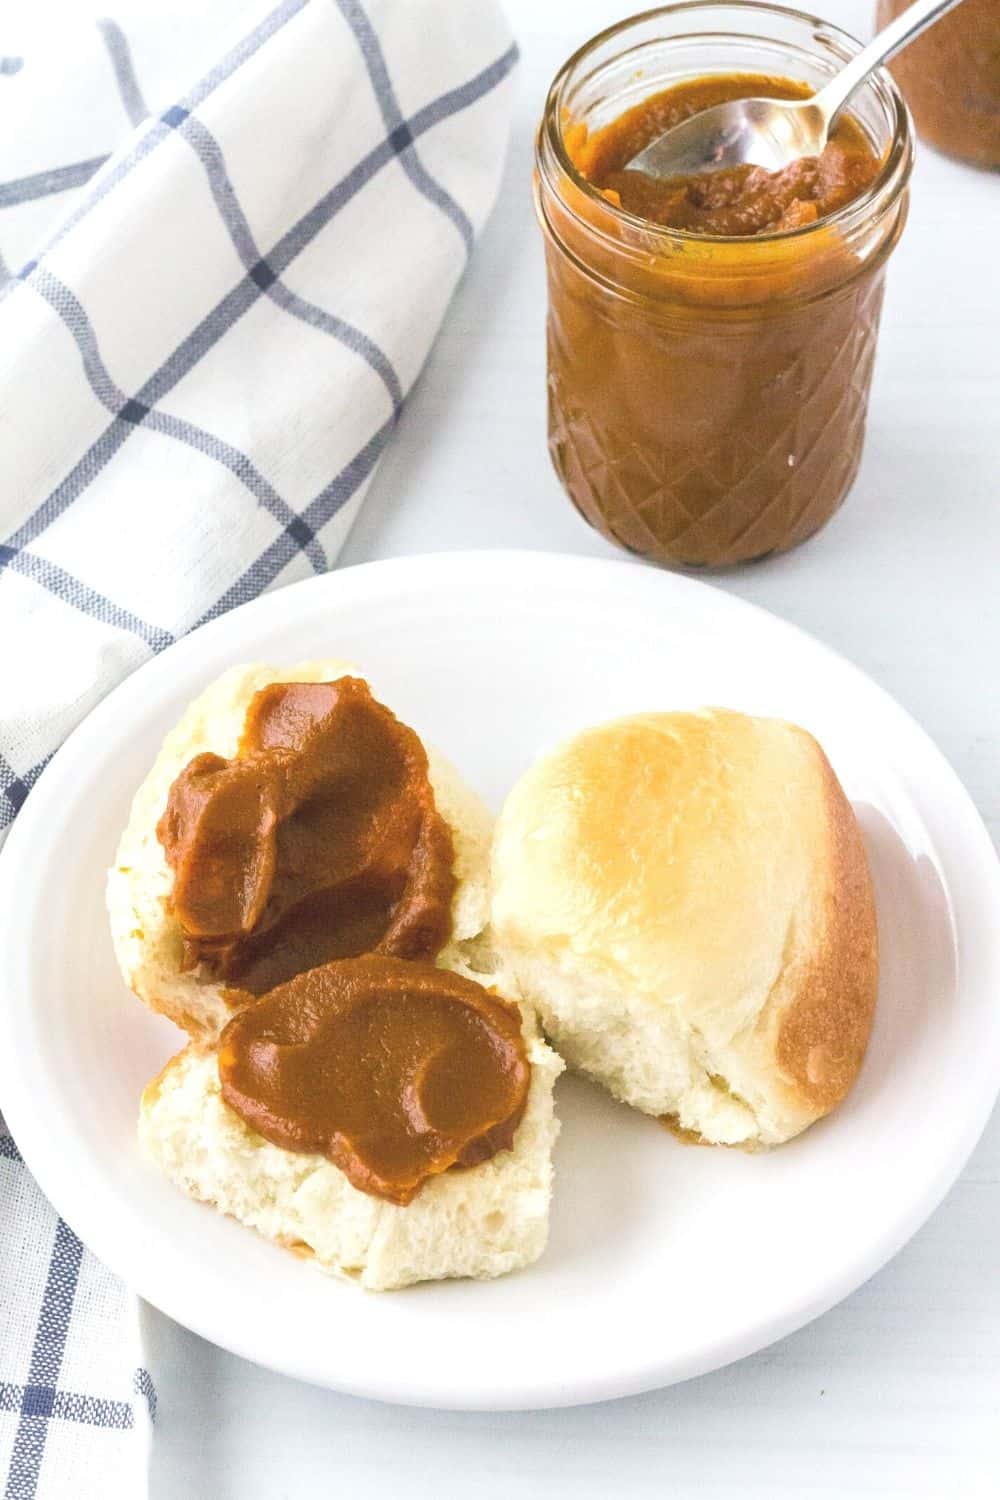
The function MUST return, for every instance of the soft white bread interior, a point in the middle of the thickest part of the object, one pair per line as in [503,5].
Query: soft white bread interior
[685,898]
[148,941]
[481,1222]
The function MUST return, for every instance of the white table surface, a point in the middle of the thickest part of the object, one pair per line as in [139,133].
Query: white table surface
[897,1391]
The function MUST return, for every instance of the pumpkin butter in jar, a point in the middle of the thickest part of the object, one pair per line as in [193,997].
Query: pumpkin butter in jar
[711,338]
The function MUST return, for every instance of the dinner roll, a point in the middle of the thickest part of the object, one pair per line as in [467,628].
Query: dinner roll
[685,898]
[482,1221]
[148,941]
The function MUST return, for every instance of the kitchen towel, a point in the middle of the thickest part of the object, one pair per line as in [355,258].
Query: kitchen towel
[228,235]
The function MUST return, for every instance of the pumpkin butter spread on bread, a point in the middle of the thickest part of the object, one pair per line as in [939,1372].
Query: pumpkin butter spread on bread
[302,886]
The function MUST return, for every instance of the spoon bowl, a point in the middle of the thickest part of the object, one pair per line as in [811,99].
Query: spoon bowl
[767,133]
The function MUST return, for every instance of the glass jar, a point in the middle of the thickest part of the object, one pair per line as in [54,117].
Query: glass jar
[707,396]
[951,79]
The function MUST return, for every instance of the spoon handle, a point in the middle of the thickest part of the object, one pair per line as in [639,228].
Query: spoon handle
[892,39]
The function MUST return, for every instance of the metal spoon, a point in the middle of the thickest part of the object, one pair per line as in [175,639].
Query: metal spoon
[773,133]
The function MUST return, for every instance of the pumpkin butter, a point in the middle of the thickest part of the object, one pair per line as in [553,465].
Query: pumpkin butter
[711,337]
[741,200]
[319,839]
[394,1071]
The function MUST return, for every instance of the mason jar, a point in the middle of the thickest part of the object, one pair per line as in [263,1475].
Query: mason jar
[706,395]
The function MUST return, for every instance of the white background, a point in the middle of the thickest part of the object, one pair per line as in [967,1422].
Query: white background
[897,1391]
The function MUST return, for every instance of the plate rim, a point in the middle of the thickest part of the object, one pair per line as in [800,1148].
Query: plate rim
[38,1156]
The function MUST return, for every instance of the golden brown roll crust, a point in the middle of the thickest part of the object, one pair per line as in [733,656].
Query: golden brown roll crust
[824,1029]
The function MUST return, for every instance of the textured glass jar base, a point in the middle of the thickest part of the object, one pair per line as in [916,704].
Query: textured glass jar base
[727,447]
[679,558]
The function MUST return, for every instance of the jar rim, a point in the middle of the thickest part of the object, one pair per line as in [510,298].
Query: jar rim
[892,174]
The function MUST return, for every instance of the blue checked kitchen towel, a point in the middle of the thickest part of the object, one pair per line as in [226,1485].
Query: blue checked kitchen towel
[216,294]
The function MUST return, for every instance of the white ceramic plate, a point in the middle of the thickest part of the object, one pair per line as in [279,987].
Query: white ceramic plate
[664,1261]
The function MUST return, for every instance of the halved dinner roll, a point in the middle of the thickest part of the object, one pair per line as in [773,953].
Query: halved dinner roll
[149,941]
[686,900]
[482,1221]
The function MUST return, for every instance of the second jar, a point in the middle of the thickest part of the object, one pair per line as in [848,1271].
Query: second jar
[707,394]
[951,79]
